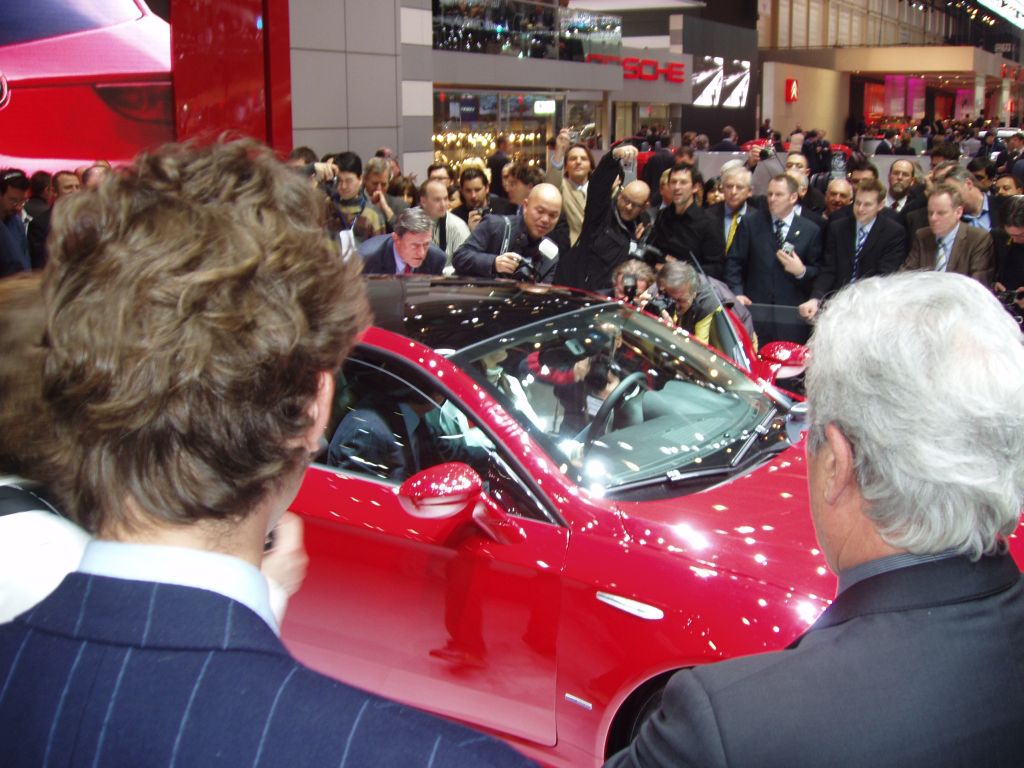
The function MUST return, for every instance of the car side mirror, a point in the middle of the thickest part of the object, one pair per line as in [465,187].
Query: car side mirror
[446,496]
[785,359]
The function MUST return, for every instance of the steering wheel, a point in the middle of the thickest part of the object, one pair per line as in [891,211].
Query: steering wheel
[596,428]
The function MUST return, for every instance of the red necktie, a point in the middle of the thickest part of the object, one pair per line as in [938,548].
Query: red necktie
[407,270]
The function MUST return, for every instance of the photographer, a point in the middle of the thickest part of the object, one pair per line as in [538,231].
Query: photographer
[689,301]
[1009,258]
[477,200]
[632,278]
[525,246]
[615,228]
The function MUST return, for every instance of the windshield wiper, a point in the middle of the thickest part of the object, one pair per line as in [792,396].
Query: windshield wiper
[759,431]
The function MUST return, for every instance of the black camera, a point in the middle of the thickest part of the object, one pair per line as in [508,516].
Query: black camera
[629,287]
[483,211]
[645,252]
[660,304]
[767,152]
[525,272]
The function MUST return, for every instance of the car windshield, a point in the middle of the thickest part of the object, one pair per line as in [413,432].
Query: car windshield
[622,401]
[21,22]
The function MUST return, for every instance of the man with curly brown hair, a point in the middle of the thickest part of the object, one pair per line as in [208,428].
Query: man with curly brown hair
[196,309]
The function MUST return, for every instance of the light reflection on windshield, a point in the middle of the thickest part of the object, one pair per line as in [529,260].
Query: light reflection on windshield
[618,398]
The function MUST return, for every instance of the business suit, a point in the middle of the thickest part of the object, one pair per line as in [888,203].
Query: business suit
[883,251]
[884,147]
[752,268]
[909,668]
[112,671]
[379,258]
[971,254]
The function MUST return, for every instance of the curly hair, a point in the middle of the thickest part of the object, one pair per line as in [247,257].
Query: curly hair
[25,432]
[192,302]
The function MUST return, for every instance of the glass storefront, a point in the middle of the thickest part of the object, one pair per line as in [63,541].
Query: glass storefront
[466,123]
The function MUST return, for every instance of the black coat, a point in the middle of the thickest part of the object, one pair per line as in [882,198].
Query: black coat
[604,240]
[693,232]
[475,257]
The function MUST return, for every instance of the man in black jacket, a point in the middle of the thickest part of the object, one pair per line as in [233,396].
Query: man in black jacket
[684,229]
[613,227]
[525,246]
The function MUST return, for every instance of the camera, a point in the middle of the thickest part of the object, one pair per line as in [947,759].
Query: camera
[767,152]
[660,304]
[629,287]
[483,211]
[645,252]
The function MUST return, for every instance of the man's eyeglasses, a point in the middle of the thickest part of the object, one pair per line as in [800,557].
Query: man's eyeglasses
[633,205]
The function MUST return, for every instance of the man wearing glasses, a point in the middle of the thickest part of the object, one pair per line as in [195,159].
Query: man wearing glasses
[14,186]
[615,227]
[686,231]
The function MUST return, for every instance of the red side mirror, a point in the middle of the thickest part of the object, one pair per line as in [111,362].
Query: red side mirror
[784,359]
[445,497]
[441,491]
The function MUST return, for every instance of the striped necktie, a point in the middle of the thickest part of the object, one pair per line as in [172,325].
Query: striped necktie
[942,257]
[780,238]
[862,235]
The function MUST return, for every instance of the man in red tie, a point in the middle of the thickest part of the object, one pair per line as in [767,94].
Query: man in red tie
[407,250]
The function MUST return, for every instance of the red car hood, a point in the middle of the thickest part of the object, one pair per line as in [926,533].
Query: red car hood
[757,526]
[140,48]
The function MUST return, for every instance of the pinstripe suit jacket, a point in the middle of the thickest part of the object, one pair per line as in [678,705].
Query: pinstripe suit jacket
[111,672]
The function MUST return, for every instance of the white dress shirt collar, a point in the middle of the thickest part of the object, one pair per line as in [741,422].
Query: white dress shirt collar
[226,575]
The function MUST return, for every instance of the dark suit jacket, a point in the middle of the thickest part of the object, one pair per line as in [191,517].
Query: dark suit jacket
[753,270]
[971,254]
[813,200]
[912,668]
[883,253]
[476,256]
[378,258]
[883,148]
[115,672]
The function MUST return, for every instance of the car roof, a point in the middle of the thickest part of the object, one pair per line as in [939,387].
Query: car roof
[454,313]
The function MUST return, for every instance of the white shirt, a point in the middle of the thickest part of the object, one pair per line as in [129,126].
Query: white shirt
[37,550]
[226,575]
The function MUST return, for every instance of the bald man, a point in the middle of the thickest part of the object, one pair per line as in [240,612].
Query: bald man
[615,226]
[524,247]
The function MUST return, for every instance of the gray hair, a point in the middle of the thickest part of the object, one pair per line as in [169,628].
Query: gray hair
[956,173]
[413,220]
[923,372]
[378,165]
[677,274]
[735,169]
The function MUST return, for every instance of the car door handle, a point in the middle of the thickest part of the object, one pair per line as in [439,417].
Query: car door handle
[632,607]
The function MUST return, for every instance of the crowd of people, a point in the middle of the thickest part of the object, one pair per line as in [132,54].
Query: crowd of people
[170,376]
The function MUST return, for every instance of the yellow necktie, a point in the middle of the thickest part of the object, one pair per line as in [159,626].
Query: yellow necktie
[732,231]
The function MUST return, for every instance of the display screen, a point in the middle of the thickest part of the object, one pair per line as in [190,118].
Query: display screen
[719,82]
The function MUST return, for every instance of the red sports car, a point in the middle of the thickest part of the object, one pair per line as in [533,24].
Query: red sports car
[82,80]
[536,504]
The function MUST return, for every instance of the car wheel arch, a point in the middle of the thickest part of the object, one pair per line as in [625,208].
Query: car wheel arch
[635,709]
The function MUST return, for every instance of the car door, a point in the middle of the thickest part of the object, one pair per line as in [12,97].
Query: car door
[465,626]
